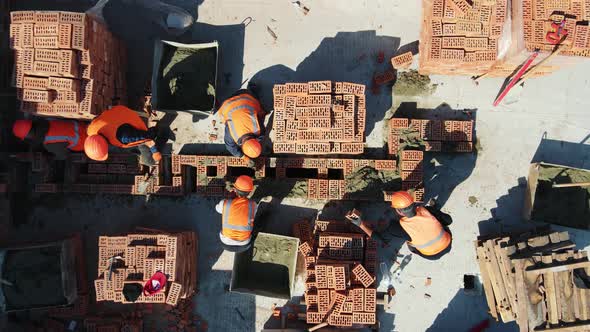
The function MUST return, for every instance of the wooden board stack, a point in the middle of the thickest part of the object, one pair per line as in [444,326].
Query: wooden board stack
[460,37]
[340,267]
[66,64]
[531,277]
[142,255]
[318,118]
[539,14]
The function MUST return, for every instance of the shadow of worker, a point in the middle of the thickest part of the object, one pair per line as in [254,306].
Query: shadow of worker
[346,57]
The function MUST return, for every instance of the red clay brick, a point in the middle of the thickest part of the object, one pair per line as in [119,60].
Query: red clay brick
[37,96]
[46,42]
[35,83]
[314,317]
[370,299]
[412,155]
[363,318]
[362,275]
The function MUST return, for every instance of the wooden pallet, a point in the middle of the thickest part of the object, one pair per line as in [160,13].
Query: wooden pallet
[528,278]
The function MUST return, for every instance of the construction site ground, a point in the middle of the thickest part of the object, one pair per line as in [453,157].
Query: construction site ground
[339,41]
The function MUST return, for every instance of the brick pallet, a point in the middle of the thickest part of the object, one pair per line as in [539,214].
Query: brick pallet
[66,64]
[438,135]
[142,255]
[529,278]
[340,274]
[537,16]
[319,118]
[460,37]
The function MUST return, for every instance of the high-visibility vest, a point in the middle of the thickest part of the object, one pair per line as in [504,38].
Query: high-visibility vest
[427,233]
[238,218]
[70,131]
[107,123]
[240,114]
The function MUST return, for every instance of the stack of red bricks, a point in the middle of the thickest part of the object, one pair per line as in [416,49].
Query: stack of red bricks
[539,14]
[412,175]
[66,64]
[460,36]
[142,256]
[447,135]
[340,268]
[320,117]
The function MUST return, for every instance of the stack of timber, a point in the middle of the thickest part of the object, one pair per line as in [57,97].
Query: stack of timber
[537,279]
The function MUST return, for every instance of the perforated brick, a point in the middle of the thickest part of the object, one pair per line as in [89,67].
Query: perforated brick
[45,68]
[410,165]
[363,318]
[37,96]
[323,299]
[412,155]
[370,300]
[340,320]
[314,317]
[61,83]
[279,89]
[45,30]
[284,147]
[35,83]
[78,37]
[46,42]
[339,278]
[22,17]
[305,249]
[362,275]
[296,88]
[99,289]
[358,299]
[316,87]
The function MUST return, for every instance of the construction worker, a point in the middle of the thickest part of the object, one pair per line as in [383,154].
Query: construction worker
[423,232]
[123,128]
[57,136]
[237,215]
[244,125]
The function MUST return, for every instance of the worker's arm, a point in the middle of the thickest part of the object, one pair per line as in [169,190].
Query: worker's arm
[219,206]
[58,150]
[154,150]
[232,146]
[393,230]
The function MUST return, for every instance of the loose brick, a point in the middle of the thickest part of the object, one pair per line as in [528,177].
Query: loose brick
[362,275]
[72,18]
[323,300]
[358,299]
[37,96]
[314,317]
[35,83]
[45,68]
[316,87]
[370,300]
[22,17]
[412,155]
[363,318]
[402,61]
[61,83]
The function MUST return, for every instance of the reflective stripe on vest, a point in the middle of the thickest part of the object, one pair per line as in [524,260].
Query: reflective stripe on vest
[431,242]
[73,140]
[237,109]
[250,223]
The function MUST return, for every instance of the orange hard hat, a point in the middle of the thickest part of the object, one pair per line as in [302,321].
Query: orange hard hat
[244,183]
[401,200]
[96,147]
[252,148]
[21,128]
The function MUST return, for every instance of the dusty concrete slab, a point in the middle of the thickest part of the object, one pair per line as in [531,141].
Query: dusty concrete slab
[483,191]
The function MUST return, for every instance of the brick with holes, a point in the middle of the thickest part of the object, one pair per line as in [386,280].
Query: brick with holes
[323,300]
[317,87]
[412,155]
[362,275]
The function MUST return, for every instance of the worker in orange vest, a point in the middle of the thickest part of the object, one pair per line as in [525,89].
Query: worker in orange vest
[123,128]
[237,215]
[425,234]
[57,136]
[244,125]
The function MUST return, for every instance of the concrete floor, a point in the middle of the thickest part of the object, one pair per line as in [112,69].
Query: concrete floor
[326,44]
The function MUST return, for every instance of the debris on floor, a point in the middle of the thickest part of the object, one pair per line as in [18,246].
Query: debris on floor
[412,83]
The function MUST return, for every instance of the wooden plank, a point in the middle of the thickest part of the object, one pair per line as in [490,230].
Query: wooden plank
[487,283]
[506,270]
[498,284]
[559,267]
[564,284]
[548,248]
[572,327]
[550,294]
[521,309]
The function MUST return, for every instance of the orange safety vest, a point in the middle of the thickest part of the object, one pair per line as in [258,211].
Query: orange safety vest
[238,218]
[240,113]
[70,131]
[427,233]
[107,123]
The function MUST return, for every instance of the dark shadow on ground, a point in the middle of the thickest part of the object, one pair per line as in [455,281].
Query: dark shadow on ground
[563,153]
[443,171]
[348,57]
[464,312]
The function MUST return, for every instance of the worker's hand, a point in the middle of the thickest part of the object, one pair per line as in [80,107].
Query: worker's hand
[354,217]
[157,156]
[249,162]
